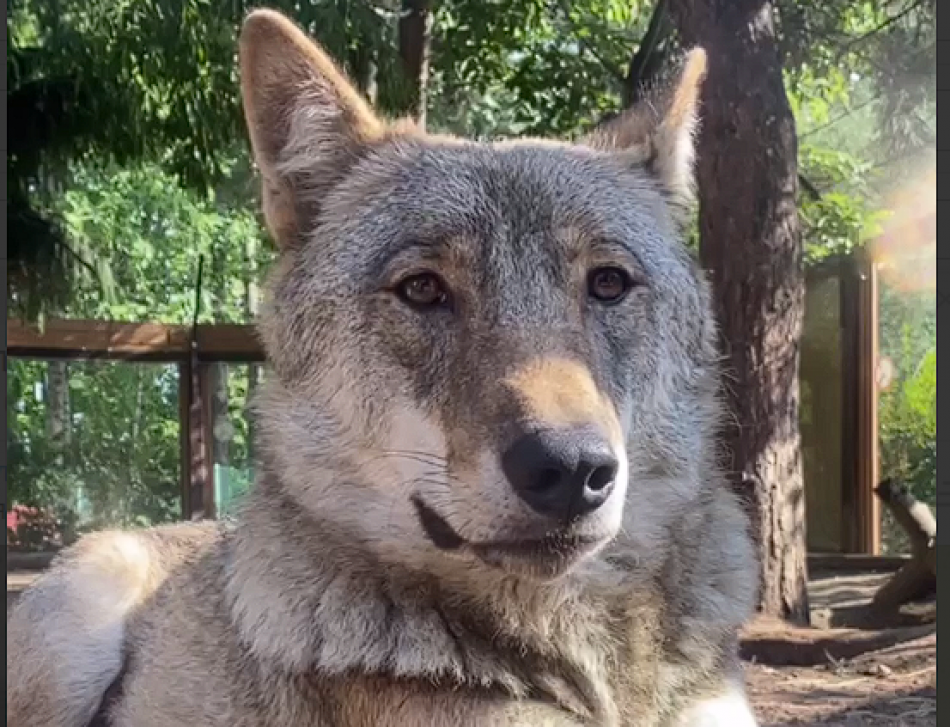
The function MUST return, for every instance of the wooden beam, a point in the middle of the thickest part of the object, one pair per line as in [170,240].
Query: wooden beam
[227,342]
[854,563]
[132,341]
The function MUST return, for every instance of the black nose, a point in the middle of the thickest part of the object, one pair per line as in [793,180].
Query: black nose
[563,474]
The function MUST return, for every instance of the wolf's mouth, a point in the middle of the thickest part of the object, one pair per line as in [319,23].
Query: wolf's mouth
[442,535]
[557,545]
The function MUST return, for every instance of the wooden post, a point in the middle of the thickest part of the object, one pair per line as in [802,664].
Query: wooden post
[205,374]
[861,511]
[850,529]
[867,450]
[201,476]
[184,436]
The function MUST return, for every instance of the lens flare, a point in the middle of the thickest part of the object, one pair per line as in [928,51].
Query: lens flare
[906,251]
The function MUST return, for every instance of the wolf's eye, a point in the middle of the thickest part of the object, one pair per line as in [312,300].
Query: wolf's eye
[423,290]
[608,284]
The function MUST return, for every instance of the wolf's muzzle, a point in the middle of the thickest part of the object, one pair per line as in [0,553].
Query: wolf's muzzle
[563,474]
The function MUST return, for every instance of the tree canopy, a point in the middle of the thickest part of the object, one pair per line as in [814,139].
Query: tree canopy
[100,83]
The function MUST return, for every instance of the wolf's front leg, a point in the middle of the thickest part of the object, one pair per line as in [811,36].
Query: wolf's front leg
[730,709]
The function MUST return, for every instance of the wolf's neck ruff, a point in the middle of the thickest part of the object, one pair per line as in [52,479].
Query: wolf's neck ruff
[292,580]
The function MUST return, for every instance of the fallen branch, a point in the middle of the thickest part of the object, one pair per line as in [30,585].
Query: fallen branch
[805,647]
[918,578]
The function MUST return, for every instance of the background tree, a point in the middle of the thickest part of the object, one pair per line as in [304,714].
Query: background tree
[755,264]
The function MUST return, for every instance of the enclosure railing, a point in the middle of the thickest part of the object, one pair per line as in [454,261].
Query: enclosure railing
[196,352]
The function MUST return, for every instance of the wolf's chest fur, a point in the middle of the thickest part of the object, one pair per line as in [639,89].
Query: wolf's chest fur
[381,661]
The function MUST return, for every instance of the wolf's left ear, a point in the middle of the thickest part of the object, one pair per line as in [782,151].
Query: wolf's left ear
[658,133]
[308,124]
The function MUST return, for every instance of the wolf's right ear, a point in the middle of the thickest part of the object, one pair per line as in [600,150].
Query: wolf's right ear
[306,121]
[658,132]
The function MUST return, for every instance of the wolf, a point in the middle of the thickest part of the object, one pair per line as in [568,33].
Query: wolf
[489,489]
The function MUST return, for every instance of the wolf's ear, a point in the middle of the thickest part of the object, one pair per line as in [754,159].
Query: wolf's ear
[658,132]
[307,123]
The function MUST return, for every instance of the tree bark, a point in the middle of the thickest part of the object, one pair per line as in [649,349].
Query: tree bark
[220,421]
[415,38]
[251,304]
[57,406]
[750,244]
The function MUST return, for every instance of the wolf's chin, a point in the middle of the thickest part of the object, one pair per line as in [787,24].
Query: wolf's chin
[539,560]
[549,556]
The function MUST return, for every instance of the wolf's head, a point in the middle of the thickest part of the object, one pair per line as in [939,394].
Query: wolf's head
[494,353]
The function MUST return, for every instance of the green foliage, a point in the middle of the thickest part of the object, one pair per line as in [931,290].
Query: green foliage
[121,83]
[149,231]
[158,78]
[118,462]
[908,410]
[843,216]
[532,67]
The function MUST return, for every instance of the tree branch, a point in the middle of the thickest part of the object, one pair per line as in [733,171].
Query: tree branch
[415,26]
[840,117]
[810,189]
[648,59]
[880,28]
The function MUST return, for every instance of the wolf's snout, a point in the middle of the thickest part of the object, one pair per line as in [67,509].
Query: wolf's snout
[561,474]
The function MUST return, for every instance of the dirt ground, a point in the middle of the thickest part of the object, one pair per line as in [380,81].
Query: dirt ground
[851,668]
[896,687]
[847,670]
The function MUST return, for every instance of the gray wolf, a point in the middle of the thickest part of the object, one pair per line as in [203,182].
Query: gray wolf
[488,490]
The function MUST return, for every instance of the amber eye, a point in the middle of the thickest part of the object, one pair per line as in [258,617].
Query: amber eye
[608,285]
[423,290]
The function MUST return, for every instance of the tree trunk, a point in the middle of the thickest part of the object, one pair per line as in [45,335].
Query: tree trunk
[57,406]
[218,380]
[364,71]
[750,244]
[415,38]
[251,304]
